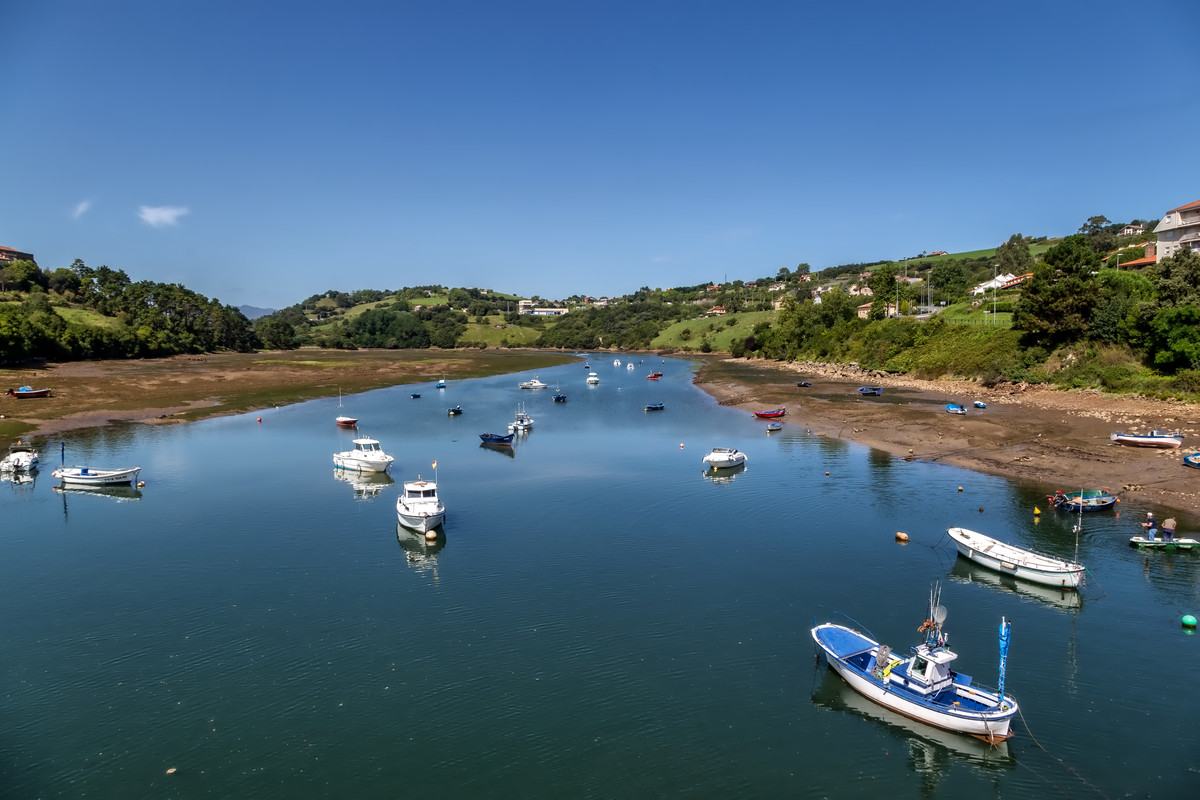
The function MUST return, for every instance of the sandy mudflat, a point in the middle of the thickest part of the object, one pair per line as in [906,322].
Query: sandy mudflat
[1051,438]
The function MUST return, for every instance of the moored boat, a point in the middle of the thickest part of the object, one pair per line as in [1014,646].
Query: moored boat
[25,392]
[653,376]
[345,422]
[559,397]
[1192,460]
[21,458]
[979,404]
[367,456]
[724,458]
[955,408]
[1163,544]
[497,438]
[418,507]
[923,687]
[593,378]
[654,406]
[532,384]
[90,476]
[778,412]
[803,384]
[1016,561]
[1085,500]
[1151,439]
[522,422]
[867,391]
[774,426]
[454,412]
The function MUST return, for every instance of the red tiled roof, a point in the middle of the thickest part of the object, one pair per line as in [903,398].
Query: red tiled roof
[1189,205]
[1139,262]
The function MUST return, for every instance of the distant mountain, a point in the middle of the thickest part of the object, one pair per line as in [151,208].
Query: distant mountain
[253,312]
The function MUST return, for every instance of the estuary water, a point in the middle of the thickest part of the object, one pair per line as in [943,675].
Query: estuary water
[599,618]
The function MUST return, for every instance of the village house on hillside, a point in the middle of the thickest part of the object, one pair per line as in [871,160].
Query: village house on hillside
[1133,230]
[8,254]
[1179,229]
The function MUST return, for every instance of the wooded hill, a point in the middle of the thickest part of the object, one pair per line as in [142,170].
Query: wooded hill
[1074,322]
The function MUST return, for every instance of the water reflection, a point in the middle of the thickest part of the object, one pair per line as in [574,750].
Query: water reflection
[118,493]
[932,751]
[966,572]
[420,553]
[365,484]
[726,475]
[507,450]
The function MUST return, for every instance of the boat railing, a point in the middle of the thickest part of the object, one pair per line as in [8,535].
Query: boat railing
[858,625]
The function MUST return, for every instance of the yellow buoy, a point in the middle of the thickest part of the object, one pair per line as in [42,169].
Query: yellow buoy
[960,488]
[1036,511]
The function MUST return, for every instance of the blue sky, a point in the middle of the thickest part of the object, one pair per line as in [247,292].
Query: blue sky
[262,152]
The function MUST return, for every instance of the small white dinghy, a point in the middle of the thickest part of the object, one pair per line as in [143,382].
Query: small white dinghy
[89,476]
[1016,561]
[724,458]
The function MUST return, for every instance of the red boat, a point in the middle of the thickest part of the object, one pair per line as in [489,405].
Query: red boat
[653,376]
[28,391]
[779,412]
[346,422]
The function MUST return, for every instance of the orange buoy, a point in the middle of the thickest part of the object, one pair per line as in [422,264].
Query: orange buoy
[826,473]
[901,536]
[260,419]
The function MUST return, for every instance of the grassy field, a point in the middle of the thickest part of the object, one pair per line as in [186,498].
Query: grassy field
[719,331]
[498,333]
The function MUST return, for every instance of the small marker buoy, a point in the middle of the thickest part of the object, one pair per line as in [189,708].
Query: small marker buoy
[260,419]
[1117,500]
[430,535]
[141,485]
[1189,621]
[960,489]
[171,771]
[827,473]
[1036,511]
[901,536]
[981,509]
[681,445]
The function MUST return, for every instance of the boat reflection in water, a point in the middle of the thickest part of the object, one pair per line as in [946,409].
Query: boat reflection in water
[117,492]
[420,553]
[365,484]
[724,475]
[506,449]
[1065,600]
[932,751]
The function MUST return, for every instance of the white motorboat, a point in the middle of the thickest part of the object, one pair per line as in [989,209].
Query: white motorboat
[1151,439]
[367,456]
[21,458]
[523,422]
[89,476]
[533,384]
[593,378]
[616,362]
[419,507]
[1016,561]
[629,365]
[923,686]
[724,458]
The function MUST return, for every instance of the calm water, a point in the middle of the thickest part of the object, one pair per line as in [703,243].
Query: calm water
[599,619]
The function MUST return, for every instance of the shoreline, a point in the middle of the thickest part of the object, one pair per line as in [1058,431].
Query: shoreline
[1053,438]
[1033,434]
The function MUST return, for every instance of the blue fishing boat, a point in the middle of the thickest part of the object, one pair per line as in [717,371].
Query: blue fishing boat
[979,404]
[1192,461]
[869,391]
[454,412]
[1085,500]
[654,406]
[415,395]
[496,438]
[803,383]
[955,408]
[923,686]
[774,426]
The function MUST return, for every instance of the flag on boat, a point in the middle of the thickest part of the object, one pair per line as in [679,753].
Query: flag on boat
[1005,632]
[435,465]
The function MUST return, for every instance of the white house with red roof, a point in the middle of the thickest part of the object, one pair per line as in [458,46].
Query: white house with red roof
[1179,229]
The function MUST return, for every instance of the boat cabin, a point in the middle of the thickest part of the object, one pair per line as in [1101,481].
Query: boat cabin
[420,490]
[367,446]
[928,672]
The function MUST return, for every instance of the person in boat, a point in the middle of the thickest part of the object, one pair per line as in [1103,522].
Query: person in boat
[1168,529]
[1150,525]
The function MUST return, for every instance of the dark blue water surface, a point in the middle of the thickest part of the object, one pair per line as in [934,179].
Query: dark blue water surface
[598,619]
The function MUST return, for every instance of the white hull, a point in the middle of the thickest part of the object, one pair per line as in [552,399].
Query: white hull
[1016,561]
[419,508]
[345,461]
[722,458]
[19,462]
[86,476]
[991,728]
[1133,440]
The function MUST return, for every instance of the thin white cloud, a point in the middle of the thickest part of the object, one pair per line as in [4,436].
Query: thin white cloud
[81,209]
[161,216]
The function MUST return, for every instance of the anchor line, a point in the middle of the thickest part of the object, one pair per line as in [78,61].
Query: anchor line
[1061,763]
